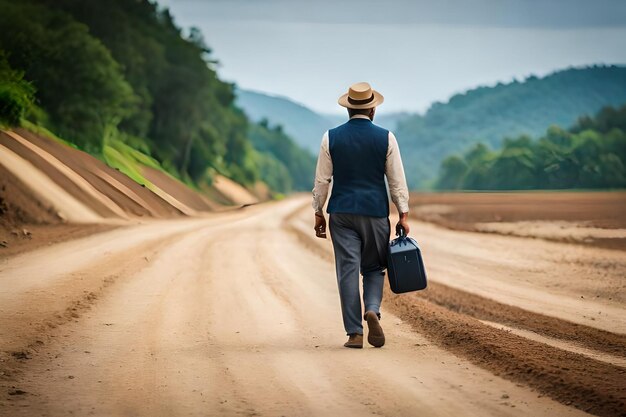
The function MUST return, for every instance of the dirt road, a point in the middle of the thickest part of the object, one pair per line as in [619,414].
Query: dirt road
[238,314]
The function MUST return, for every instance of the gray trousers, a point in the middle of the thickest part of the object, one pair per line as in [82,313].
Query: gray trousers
[360,244]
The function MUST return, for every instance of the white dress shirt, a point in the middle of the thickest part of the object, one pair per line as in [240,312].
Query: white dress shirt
[394,171]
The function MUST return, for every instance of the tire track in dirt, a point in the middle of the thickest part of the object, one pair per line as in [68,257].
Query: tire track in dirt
[483,308]
[33,328]
[450,318]
[561,344]
[587,384]
[43,301]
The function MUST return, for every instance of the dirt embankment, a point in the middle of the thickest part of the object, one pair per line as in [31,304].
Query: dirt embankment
[587,218]
[27,223]
[50,192]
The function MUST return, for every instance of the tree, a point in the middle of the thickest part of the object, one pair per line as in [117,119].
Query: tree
[16,94]
[78,83]
[574,158]
[451,174]
[514,168]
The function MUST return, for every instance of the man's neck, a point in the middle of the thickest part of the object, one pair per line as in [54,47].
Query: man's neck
[360,116]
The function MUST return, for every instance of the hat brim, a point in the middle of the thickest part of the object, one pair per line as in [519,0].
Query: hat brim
[378,100]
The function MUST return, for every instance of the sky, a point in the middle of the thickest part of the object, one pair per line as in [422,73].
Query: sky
[414,52]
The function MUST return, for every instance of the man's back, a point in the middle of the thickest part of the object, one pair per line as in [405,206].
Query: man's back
[358,150]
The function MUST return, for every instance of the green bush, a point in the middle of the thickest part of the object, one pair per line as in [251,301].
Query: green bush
[592,154]
[16,94]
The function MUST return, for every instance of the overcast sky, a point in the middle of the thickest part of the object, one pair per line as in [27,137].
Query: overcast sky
[413,51]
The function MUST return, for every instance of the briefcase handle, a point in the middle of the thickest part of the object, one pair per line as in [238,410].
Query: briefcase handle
[402,239]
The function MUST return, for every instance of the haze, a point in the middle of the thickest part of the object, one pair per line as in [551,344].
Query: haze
[413,52]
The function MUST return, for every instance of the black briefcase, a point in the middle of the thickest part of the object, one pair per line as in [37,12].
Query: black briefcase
[405,266]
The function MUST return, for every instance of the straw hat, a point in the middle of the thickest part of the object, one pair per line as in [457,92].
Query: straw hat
[361,96]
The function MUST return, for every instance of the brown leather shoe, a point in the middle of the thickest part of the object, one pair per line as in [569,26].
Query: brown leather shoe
[355,341]
[375,335]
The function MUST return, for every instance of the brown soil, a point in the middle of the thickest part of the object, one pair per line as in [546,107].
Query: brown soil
[572,379]
[214,195]
[485,309]
[178,190]
[261,191]
[601,209]
[18,205]
[26,223]
[226,190]
[97,172]
[54,174]
[25,238]
[20,209]
[463,211]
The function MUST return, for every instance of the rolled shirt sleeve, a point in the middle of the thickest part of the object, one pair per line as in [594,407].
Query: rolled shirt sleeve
[395,176]
[323,175]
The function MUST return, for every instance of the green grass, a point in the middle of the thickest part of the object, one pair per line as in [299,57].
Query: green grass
[134,154]
[115,154]
[40,130]
[130,161]
[125,164]
[119,155]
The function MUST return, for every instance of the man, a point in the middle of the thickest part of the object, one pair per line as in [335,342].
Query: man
[357,156]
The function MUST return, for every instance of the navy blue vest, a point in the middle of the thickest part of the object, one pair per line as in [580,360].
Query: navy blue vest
[358,150]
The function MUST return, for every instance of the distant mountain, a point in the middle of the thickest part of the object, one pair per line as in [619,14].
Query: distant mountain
[302,124]
[390,120]
[491,114]
[387,120]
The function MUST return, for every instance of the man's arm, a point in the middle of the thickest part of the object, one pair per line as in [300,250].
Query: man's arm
[397,184]
[323,174]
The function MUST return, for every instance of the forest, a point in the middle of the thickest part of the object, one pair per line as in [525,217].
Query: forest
[590,154]
[121,74]
[489,114]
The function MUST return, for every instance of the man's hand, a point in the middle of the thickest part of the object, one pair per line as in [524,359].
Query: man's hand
[320,225]
[403,224]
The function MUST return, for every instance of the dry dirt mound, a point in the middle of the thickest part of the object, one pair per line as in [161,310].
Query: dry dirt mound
[27,222]
[131,197]
[48,188]
[18,205]
[28,161]
[229,192]
[178,190]
[94,187]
